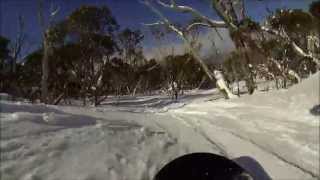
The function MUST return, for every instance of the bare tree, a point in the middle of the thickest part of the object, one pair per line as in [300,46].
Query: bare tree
[18,44]
[46,48]
[284,35]
[244,32]
[202,21]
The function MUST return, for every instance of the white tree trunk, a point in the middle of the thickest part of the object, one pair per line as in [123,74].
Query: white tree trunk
[294,74]
[222,85]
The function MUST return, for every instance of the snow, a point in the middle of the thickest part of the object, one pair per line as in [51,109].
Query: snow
[4,95]
[133,137]
[69,146]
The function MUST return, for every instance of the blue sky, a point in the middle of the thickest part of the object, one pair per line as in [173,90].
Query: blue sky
[129,13]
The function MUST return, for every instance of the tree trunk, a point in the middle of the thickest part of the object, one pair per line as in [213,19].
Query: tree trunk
[277,82]
[84,102]
[136,87]
[250,84]
[128,90]
[238,87]
[45,71]
[84,97]
[201,82]
[95,99]
[222,85]
[58,99]
[295,75]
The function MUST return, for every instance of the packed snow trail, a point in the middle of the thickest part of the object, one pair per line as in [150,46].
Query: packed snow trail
[124,143]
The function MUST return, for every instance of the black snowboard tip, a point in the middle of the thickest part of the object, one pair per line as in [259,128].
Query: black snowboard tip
[315,110]
[202,166]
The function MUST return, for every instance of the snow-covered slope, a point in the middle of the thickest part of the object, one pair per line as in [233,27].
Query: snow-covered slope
[45,142]
[279,123]
[125,141]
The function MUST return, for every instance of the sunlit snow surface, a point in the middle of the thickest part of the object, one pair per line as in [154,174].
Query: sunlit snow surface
[133,137]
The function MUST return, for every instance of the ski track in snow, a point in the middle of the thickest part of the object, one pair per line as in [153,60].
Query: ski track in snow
[252,148]
[131,139]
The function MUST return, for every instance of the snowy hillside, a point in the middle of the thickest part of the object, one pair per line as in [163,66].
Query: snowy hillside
[132,139]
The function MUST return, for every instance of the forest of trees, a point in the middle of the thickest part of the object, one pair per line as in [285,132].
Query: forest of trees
[88,56]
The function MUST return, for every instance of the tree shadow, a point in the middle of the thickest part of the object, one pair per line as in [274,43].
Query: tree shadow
[253,167]
[9,107]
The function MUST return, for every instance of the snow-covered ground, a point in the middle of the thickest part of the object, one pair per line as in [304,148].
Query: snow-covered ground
[133,137]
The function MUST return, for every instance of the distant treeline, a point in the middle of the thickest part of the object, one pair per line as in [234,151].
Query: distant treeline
[89,56]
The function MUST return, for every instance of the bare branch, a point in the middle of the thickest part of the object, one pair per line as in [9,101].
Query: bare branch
[230,11]
[165,20]
[192,25]
[41,16]
[216,4]
[195,13]
[55,12]
[242,10]
[154,24]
